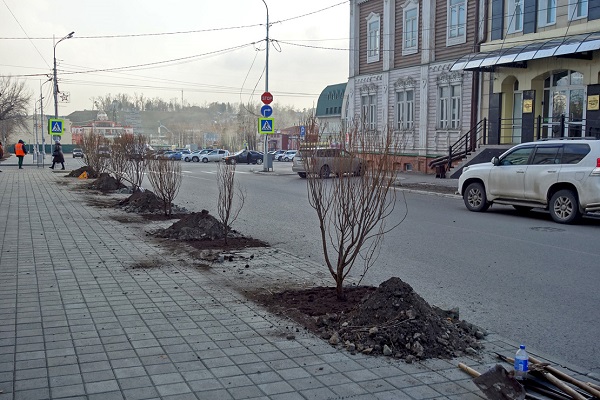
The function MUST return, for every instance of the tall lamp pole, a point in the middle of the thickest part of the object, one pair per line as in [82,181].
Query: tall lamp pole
[266,160]
[69,36]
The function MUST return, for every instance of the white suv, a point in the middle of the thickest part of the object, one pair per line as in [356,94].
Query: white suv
[562,176]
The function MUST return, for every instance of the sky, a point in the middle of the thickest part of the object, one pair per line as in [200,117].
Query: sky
[199,50]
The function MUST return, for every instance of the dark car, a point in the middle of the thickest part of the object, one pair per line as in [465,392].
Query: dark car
[77,153]
[245,157]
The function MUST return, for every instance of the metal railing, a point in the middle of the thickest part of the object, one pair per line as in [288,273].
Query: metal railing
[464,146]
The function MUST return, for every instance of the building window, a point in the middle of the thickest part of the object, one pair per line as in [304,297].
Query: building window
[546,12]
[578,9]
[369,111]
[405,110]
[457,19]
[449,106]
[373,28]
[515,16]
[411,28]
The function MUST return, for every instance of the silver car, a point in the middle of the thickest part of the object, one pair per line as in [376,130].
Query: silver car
[562,176]
[214,155]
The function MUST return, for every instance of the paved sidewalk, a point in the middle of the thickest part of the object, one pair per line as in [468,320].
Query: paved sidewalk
[91,309]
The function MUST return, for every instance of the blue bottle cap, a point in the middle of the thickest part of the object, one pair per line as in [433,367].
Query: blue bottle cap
[522,346]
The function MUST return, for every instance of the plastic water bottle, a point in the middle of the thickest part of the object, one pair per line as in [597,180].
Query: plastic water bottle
[521,363]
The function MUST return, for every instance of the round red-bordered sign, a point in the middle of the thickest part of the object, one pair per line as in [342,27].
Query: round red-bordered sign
[266,98]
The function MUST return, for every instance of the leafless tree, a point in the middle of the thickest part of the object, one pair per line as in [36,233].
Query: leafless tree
[352,209]
[228,189]
[14,100]
[95,152]
[119,156]
[165,178]
[138,155]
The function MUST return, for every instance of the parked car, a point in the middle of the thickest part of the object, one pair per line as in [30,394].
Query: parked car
[214,155]
[104,151]
[175,155]
[245,157]
[288,155]
[561,176]
[77,153]
[324,162]
[195,155]
[277,154]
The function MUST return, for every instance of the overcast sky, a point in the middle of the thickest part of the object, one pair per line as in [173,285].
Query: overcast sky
[223,59]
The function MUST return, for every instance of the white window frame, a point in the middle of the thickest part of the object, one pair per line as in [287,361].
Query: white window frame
[405,110]
[369,111]
[456,32]
[544,7]
[373,37]
[410,37]
[449,106]
[515,14]
[583,5]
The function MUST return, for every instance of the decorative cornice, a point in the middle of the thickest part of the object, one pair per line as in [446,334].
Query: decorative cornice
[372,78]
[370,88]
[403,83]
[448,77]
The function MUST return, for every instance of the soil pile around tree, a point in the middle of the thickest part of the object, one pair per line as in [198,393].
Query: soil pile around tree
[390,320]
[194,226]
[106,183]
[142,202]
[91,173]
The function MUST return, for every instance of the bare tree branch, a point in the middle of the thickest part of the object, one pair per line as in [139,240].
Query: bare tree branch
[227,192]
[353,207]
[165,178]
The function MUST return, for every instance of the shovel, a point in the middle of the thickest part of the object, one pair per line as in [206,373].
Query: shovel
[496,383]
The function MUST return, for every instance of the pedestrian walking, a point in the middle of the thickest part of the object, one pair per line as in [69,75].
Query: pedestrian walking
[1,152]
[57,155]
[20,152]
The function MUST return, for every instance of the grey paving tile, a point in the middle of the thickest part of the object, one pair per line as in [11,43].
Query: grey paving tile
[31,383]
[35,394]
[173,388]
[68,391]
[102,387]
[421,392]
[98,376]
[164,379]
[140,393]
[135,382]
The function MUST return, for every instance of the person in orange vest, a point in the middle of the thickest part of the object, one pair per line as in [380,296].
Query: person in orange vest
[20,152]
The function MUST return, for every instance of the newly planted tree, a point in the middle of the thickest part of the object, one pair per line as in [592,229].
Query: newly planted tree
[352,207]
[228,191]
[165,178]
[95,150]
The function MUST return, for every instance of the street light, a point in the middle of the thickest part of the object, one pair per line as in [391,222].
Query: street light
[69,36]
[267,161]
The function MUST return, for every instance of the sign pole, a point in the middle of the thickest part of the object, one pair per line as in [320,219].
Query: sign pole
[266,159]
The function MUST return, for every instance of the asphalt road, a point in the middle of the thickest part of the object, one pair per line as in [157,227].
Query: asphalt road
[524,277]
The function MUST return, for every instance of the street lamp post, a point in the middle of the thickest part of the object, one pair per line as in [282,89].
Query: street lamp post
[69,36]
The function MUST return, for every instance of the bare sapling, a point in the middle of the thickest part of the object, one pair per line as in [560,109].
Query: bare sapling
[118,160]
[136,153]
[353,206]
[228,191]
[93,154]
[165,177]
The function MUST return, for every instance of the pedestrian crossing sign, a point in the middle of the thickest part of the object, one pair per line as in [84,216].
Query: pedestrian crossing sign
[56,127]
[265,126]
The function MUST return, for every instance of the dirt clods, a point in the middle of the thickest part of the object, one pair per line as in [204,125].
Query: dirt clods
[194,226]
[390,320]
[106,183]
[91,173]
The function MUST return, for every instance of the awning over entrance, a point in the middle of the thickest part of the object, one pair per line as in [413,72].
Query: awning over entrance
[541,49]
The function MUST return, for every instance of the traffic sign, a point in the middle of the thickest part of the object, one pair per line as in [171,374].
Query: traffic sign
[266,110]
[302,131]
[56,127]
[266,98]
[265,126]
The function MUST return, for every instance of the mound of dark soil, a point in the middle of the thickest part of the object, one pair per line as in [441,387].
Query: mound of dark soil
[194,226]
[92,174]
[142,202]
[106,183]
[391,320]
